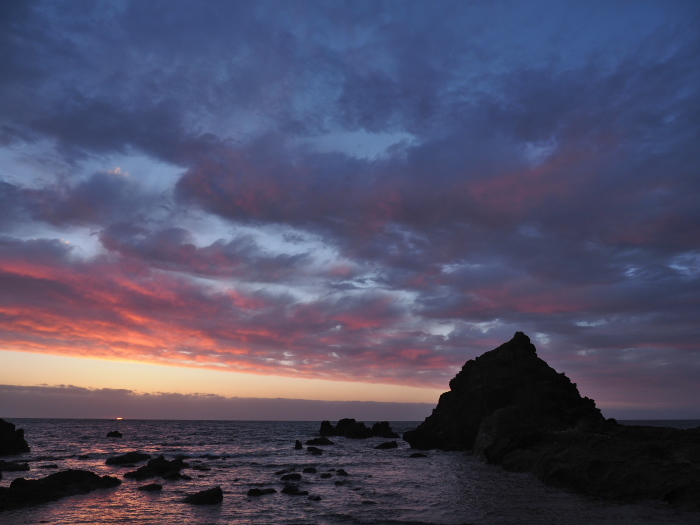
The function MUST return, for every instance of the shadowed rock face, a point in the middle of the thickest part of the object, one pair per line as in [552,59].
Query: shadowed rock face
[11,440]
[508,391]
[510,408]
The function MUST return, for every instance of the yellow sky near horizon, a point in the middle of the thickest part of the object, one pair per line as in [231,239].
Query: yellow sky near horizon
[31,369]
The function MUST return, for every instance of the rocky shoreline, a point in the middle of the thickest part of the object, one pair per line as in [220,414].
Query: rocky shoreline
[510,408]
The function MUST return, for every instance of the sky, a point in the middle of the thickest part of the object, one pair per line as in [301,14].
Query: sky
[323,209]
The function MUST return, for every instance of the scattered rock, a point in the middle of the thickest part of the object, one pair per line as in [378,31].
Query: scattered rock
[382,429]
[309,470]
[369,502]
[350,428]
[206,497]
[13,466]
[27,492]
[11,439]
[284,471]
[314,450]
[418,455]
[292,476]
[294,490]
[341,472]
[511,408]
[261,492]
[159,467]
[49,466]
[151,487]
[129,457]
[314,498]
[323,440]
[114,434]
[298,445]
[387,445]
[84,456]
[326,475]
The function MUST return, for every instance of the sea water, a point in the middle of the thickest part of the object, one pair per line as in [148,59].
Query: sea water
[382,486]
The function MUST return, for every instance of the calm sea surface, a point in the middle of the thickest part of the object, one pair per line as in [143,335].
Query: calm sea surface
[382,486]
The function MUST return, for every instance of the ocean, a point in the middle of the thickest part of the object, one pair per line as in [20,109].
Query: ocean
[382,486]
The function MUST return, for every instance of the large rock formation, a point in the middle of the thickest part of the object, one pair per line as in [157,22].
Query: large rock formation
[11,440]
[510,408]
[502,394]
[27,492]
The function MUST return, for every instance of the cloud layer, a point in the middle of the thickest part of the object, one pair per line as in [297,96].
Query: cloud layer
[354,190]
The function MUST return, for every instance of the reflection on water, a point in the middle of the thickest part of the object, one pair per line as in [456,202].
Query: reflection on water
[383,486]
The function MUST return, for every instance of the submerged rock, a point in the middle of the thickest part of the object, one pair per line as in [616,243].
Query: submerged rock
[323,440]
[11,439]
[27,492]
[129,457]
[13,466]
[387,445]
[206,497]
[511,408]
[261,492]
[151,487]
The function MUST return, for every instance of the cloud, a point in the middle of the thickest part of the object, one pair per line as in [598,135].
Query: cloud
[549,185]
[68,401]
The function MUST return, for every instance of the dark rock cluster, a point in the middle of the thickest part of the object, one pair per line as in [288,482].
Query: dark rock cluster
[11,439]
[128,458]
[350,428]
[511,408]
[26,492]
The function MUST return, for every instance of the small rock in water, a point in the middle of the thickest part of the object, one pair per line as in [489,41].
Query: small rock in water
[418,455]
[298,445]
[320,441]
[261,492]
[292,476]
[11,439]
[314,450]
[114,434]
[387,445]
[206,497]
[129,457]
[151,487]
[309,470]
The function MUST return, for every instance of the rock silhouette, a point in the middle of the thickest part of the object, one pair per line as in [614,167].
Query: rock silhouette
[510,408]
[11,439]
[27,492]
[352,429]
[206,497]
[129,457]
[159,467]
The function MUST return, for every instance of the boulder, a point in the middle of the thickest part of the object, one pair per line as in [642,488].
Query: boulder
[159,467]
[27,492]
[314,450]
[511,408]
[387,445]
[11,439]
[206,497]
[292,476]
[298,445]
[114,434]
[129,457]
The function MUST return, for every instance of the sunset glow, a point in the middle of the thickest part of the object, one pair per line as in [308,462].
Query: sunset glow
[350,206]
